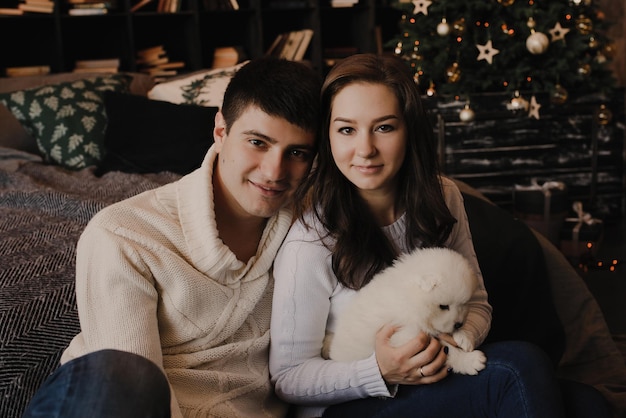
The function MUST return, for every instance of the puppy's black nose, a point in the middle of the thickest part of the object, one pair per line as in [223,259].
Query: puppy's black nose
[458,325]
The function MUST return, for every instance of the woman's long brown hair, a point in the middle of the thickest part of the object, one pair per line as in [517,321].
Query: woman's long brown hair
[361,249]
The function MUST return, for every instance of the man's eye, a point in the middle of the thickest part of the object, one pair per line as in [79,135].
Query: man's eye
[301,155]
[444,307]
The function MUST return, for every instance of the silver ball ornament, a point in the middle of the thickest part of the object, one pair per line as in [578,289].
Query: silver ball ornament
[443,28]
[537,43]
[467,114]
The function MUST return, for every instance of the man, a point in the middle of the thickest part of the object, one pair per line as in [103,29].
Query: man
[181,275]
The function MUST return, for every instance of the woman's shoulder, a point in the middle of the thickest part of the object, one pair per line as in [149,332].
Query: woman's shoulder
[309,230]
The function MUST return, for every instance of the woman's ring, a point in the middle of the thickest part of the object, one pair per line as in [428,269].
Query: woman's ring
[422,372]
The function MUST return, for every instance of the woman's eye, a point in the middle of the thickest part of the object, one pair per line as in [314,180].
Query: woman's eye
[346,130]
[385,128]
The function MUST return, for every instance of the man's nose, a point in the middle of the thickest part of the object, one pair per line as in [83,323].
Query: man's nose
[273,166]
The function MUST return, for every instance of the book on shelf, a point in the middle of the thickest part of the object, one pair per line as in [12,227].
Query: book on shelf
[37,6]
[168,6]
[227,56]
[167,69]
[96,70]
[104,65]
[140,4]
[11,11]
[94,5]
[291,45]
[305,41]
[343,3]
[87,11]
[98,63]
[151,52]
[27,70]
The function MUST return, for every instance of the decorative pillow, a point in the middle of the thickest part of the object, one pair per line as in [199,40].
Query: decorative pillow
[149,136]
[68,120]
[204,88]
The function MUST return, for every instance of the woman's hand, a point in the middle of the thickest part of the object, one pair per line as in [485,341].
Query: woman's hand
[420,361]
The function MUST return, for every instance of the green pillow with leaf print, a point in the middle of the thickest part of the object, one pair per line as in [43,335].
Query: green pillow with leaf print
[68,120]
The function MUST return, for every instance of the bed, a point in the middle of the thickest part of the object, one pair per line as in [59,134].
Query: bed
[49,192]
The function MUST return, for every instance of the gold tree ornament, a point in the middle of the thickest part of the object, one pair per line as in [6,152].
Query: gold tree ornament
[517,103]
[559,94]
[459,26]
[506,3]
[430,92]
[584,25]
[584,69]
[453,73]
[603,115]
[609,50]
[398,49]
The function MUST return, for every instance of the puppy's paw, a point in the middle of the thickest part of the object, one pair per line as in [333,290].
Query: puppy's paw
[468,363]
[463,340]
[328,338]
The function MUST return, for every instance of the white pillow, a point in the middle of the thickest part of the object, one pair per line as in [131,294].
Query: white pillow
[205,88]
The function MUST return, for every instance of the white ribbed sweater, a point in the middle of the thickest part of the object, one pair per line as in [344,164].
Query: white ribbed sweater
[154,278]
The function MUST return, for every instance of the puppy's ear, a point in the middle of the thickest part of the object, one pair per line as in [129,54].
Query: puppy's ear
[427,282]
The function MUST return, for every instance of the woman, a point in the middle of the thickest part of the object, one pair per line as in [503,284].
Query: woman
[377,193]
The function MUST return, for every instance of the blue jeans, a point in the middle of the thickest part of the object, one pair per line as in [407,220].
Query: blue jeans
[518,382]
[107,383]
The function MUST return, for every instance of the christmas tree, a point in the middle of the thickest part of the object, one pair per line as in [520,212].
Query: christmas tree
[461,48]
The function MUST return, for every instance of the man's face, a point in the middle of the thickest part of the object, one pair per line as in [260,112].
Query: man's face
[261,162]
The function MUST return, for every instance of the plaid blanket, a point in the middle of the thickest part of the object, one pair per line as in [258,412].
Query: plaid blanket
[43,210]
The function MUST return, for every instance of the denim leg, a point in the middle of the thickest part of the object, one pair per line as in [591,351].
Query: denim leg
[517,382]
[105,383]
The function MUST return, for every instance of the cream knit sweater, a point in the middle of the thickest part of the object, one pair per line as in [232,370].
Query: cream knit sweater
[154,278]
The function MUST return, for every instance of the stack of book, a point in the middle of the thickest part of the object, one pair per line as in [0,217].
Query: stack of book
[36,6]
[105,65]
[11,11]
[154,61]
[26,71]
[291,45]
[89,7]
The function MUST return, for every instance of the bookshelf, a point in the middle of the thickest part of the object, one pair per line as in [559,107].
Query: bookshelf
[190,34]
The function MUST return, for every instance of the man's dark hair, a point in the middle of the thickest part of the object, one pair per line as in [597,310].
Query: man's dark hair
[286,89]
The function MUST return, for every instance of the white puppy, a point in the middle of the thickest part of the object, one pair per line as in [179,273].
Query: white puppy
[426,290]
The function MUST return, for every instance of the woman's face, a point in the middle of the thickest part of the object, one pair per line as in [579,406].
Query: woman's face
[368,137]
